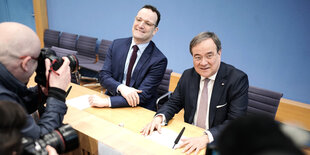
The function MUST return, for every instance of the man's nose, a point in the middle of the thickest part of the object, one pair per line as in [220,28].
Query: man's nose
[204,61]
[141,24]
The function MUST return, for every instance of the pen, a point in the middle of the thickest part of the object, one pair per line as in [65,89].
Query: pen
[68,91]
[178,138]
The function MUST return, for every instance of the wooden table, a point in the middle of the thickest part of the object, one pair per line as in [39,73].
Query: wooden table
[101,125]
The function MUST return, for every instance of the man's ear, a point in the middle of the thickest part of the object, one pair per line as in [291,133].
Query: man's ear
[219,52]
[25,62]
[155,31]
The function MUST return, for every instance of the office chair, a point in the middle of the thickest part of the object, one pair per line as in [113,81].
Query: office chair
[51,38]
[68,41]
[163,89]
[263,102]
[97,65]
[102,50]
[86,47]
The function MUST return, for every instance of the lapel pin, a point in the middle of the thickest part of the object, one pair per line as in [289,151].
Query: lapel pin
[223,84]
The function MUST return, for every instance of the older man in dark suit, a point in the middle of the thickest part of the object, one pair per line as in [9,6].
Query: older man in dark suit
[212,93]
[134,67]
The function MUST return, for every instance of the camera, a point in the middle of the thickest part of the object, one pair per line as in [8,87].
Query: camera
[63,139]
[56,64]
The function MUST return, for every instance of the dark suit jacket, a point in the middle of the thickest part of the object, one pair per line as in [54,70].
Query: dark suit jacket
[146,76]
[229,98]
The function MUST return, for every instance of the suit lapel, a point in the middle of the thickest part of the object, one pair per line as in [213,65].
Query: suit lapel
[143,59]
[194,89]
[218,88]
[123,55]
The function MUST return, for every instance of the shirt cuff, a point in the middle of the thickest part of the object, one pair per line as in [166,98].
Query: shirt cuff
[163,123]
[210,137]
[109,101]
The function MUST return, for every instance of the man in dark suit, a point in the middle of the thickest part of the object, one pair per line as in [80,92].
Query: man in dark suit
[134,67]
[212,93]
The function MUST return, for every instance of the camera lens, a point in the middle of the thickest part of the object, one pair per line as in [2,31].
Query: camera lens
[63,140]
[70,137]
[74,63]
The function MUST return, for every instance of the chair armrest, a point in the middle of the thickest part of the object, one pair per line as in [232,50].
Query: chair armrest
[162,97]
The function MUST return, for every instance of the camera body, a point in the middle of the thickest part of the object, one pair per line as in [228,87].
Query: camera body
[63,139]
[47,53]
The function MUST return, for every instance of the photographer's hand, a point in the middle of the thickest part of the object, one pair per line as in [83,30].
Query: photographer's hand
[62,77]
[51,150]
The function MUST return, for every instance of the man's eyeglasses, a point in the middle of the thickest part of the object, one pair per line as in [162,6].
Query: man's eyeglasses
[148,23]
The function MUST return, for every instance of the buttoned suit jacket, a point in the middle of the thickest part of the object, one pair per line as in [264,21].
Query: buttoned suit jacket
[229,98]
[146,76]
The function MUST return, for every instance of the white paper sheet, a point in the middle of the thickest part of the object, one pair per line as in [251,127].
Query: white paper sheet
[80,102]
[166,138]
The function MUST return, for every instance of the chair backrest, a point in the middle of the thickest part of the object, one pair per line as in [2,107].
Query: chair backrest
[103,49]
[263,102]
[51,38]
[86,46]
[164,84]
[68,41]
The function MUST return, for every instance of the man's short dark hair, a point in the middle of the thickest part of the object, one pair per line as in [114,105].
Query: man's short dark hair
[154,9]
[13,119]
[204,36]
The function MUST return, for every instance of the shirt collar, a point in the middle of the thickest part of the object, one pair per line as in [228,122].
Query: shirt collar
[142,47]
[211,77]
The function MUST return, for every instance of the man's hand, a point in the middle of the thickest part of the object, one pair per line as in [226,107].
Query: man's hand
[194,144]
[96,101]
[51,150]
[62,77]
[155,124]
[130,94]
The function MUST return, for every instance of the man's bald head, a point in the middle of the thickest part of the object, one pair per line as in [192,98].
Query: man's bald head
[17,40]
[18,46]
